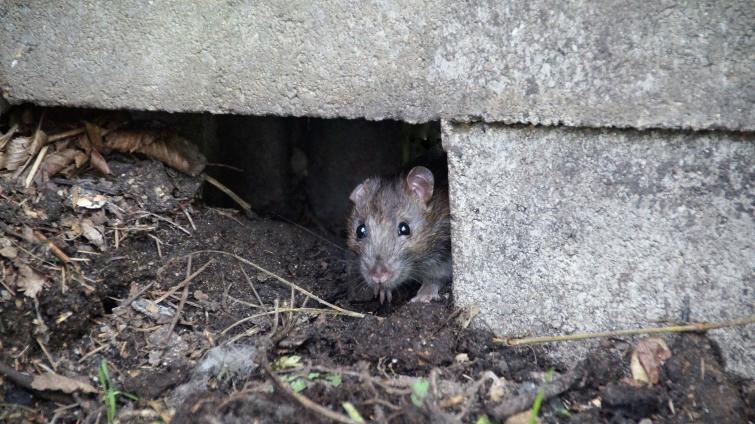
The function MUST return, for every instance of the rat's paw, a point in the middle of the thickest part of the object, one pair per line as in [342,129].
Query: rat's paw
[424,298]
[427,293]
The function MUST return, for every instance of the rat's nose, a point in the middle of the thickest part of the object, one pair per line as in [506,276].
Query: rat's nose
[380,274]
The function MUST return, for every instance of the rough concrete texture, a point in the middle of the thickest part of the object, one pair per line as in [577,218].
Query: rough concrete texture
[580,63]
[566,230]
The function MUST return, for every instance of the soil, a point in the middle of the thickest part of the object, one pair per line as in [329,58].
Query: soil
[237,321]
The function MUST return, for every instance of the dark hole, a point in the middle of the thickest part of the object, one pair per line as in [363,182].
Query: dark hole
[108,304]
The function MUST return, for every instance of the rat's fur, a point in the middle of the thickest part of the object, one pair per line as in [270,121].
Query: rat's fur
[424,255]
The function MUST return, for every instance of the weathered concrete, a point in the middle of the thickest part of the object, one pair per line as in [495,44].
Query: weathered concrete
[563,230]
[581,63]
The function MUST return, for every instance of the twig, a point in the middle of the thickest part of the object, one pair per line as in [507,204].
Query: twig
[275,317]
[241,202]
[47,353]
[5,138]
[34,143]
[2,282]
[53,247]
[35,167]
[254,290]
[241,302]
[128,301]
[188,216]
[184,282]
[250,332]
[229,216]
[522,402]
[65,134]
[158,242]
[162,218]
[304,401]
[695,327]
[92,352]
[277,310]
[471,392]
[21,380]
[181,304]
[284,281]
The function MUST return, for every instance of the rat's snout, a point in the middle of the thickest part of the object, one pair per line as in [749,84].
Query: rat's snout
[380,273]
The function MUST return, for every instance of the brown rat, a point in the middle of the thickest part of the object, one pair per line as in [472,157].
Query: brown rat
[400,228]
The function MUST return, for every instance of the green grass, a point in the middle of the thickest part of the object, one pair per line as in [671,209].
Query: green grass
[110,396]
[538,403]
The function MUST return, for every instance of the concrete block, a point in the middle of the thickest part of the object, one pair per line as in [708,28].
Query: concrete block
[578,63]
[560,230]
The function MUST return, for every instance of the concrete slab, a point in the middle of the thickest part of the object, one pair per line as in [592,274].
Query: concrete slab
[565,230]
[578,63]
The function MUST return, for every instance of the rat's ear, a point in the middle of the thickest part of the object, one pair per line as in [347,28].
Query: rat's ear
[358,193]
[420,182]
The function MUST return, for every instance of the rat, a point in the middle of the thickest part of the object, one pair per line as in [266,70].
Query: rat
[401,230]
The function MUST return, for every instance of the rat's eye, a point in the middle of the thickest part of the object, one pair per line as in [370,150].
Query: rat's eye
[361,231]
[403,229]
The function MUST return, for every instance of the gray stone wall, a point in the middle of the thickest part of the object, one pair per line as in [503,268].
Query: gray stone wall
[578,63]
[562,230]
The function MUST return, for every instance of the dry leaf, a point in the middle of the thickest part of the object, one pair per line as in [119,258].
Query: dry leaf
[99,217]
[28,234]
[99,163]
[29,281]
[84,143]
[165,146]
[647,359]
[498,390]
[522,418]
[56,162]
[94,133]
[61,383]
[93,233]
[17,153]
[83,198]
[467,315]
[9,252]
[7,137]
[38,141]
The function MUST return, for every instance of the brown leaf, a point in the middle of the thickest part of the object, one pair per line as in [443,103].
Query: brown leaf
[7,137]
[99,163]
[56,162]
[17,153]
[51,381]
[93,233]
[83,141]
[38,141]
[647,359]
[9,252]
[83,198]
[165,146]
[80,159]
[94,133]
[29,281]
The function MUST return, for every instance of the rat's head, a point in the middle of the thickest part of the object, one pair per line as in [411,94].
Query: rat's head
[388,225]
